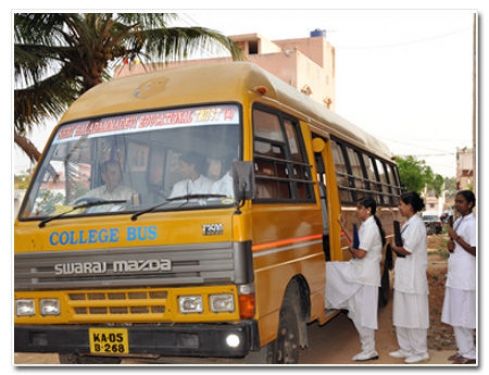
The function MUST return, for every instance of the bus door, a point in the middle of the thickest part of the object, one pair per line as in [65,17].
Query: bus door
[321,178]
[330,203]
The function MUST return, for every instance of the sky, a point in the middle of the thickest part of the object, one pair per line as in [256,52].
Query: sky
[404,76]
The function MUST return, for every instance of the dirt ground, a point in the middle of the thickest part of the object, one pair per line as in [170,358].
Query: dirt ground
[336,342]
[440,335]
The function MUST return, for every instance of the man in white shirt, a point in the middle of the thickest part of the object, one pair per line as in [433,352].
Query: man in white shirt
[112,189]
[194,182]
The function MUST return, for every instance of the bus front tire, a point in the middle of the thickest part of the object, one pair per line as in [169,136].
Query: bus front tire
[75,358]
[286,347]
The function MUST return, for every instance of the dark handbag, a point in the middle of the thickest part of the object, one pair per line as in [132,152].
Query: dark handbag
[398,237]
[356,238]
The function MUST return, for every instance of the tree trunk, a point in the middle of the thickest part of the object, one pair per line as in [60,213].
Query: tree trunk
[27,146]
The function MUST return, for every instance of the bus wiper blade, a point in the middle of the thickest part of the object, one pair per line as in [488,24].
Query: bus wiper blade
[43,223]
[150,209]
[179,198]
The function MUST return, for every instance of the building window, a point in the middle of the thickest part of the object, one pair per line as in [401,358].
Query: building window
[253,47]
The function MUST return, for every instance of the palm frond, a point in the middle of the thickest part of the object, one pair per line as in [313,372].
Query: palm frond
[146,21]
[176,43]
[49,97]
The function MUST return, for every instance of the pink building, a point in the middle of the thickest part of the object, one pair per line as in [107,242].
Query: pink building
[308,64]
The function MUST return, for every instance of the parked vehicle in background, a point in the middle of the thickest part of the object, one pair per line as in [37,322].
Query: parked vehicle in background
[432,222]
[445,215]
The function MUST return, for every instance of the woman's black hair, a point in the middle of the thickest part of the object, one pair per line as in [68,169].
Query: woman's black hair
[369,202]
[468,195]
[414,200]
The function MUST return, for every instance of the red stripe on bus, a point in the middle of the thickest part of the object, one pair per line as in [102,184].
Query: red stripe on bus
[289,241]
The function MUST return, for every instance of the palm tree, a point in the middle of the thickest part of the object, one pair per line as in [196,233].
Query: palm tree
[59,56]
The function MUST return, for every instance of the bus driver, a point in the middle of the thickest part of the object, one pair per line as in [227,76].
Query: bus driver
[112,189]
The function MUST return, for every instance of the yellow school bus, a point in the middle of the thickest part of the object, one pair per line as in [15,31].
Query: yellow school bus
[190,212]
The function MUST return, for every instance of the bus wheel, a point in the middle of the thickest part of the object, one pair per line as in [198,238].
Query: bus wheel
[74,358]
[286,347]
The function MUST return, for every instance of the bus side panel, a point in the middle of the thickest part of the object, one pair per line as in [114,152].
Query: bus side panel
[287,241]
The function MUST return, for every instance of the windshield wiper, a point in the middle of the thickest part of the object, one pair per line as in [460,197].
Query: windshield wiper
[179,198]
[43,223]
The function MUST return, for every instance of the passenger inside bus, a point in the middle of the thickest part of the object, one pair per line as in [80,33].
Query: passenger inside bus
[220,172]
[191,166]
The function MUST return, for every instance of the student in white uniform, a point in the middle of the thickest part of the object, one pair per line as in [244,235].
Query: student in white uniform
[411,313]
[354,285]
[191,166]
[222,181]
[459,304]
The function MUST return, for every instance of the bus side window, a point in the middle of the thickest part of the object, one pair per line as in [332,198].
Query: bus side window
[341,173]
[357,178]
[384,180]
[394,181]
[282,171]
[372,177]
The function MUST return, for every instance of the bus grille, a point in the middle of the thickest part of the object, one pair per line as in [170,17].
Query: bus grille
[134,302]
[194,264]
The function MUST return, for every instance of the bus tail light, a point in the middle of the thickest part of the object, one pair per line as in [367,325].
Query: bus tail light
[246,300]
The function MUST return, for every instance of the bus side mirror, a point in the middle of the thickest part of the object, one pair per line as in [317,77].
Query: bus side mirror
[243,180]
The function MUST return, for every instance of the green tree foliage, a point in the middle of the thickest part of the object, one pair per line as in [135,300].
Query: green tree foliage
[59,56]
[437,184]
[415,175]
[451,187]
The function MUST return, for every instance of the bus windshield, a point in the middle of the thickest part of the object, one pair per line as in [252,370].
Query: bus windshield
[135,161]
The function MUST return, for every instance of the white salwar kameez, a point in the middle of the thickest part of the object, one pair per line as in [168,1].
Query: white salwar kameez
[459,304]
[411,315]
[354,285]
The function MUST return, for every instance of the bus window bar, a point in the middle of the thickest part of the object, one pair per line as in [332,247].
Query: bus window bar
[282,179]
[271,158]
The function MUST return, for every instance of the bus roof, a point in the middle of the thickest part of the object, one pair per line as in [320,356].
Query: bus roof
[225,82]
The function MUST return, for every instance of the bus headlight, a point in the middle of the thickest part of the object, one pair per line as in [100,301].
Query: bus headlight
[190,304]
[222,302]
[25,307]
[49,307]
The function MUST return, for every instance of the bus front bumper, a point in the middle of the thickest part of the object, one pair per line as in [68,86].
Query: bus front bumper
[197,340]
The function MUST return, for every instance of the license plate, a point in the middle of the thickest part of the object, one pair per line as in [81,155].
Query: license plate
[108,341]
